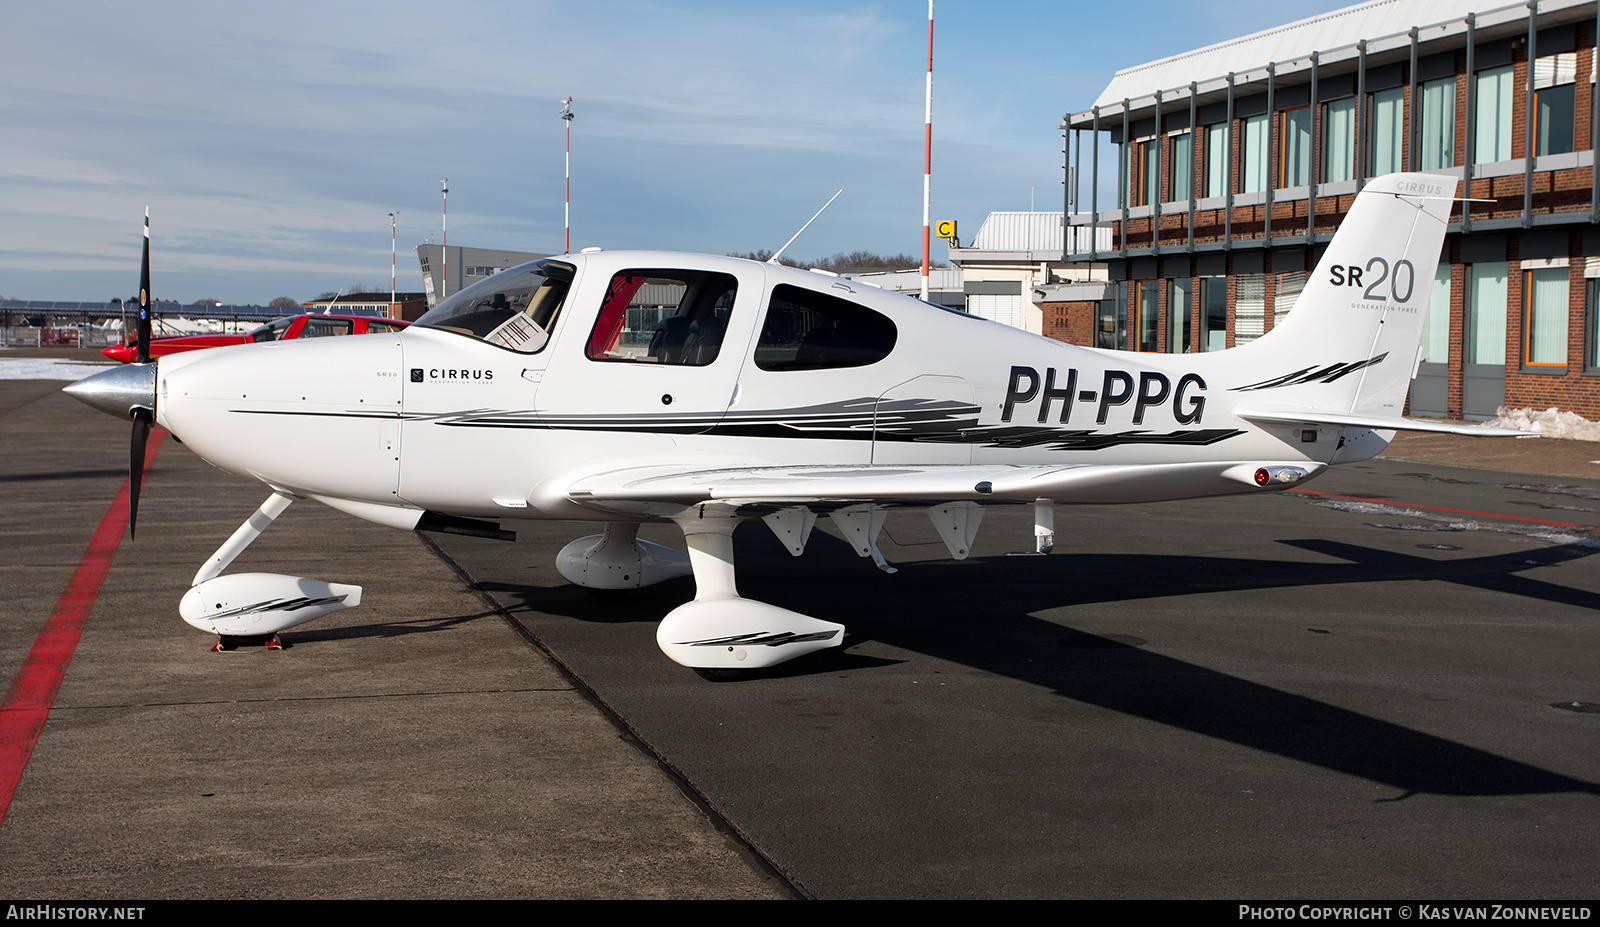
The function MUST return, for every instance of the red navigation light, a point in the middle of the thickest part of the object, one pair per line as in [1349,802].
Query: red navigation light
[1262,476]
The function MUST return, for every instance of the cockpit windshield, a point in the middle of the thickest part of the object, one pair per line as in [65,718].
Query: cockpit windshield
[515,309]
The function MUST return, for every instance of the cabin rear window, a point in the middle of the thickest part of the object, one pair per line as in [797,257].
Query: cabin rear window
[515,309]
[807,330]
[663,317]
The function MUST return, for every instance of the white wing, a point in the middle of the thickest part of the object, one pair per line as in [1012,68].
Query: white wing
[662,490]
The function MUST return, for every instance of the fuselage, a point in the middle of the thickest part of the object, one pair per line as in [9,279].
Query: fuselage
[791,367]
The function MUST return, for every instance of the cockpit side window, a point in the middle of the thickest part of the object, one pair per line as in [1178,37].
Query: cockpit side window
[807,330]
[271,331]
[663,317]
[515,309]
[321,328]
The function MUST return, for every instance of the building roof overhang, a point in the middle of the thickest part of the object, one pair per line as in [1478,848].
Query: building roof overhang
[1381,31]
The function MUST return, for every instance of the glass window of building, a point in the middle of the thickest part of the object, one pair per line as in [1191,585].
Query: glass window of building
[1388,131]
[1182,166]
[1143,315]
[1545,316]
[1338,140]
[1294,139]
[1591,331]
[1214,313]
[1142,180]
[1438,129]
[1253,152]
[1436,324]
[1217,159]
[1555,98]
[1494,95]
[1486,313]
[1249,308]
[1289,287]
[1179,337]
[1111,330]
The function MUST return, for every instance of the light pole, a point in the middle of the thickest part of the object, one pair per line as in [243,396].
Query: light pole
[566,216]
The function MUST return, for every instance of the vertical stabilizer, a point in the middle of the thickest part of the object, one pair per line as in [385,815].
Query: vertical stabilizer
[1351,342]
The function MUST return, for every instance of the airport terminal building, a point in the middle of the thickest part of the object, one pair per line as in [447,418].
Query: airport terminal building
[1234,164]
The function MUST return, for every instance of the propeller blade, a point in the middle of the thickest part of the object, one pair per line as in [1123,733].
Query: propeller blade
[142,419]
[143,356]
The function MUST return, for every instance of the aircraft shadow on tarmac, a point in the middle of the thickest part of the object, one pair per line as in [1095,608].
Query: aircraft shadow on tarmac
[984,619]
[387,629]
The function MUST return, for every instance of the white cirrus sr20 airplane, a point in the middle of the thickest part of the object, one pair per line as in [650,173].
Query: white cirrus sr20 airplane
[624,387]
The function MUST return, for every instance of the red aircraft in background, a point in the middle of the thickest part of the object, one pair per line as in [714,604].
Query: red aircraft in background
[308,325]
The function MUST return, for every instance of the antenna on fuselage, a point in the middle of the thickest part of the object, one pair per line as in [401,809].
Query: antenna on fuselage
[774,258]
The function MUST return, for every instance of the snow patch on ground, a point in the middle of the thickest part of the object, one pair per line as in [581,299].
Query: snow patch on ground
[47,368]
[1550,422]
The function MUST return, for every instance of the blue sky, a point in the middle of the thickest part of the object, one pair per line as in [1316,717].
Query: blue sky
[270,143]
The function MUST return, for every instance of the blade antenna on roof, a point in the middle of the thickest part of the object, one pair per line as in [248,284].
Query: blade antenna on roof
[774,258]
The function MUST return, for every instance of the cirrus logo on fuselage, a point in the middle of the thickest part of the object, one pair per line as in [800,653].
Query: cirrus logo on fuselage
[449,374]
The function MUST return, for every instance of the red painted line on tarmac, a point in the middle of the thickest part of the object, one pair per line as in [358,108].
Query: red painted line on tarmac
[1435,508]
[34,688]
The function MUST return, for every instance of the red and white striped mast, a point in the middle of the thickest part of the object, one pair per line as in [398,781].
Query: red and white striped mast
[927,152]
[392,216]
[566,219]
[444,238]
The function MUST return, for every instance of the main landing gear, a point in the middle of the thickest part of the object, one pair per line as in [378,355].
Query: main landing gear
[719,631]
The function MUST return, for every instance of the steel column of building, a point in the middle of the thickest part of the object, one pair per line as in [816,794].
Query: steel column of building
[1124,162]
[1361,114]
[1530,118]
[1471,143]
[1066,187]
[1274,155]
[1155,205]
[1228,175]
[1094,186]
[1194,153]
[1311,201]
[1412,122]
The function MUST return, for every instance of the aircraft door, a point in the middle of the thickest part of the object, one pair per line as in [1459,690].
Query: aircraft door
[921,421]
[661,354]
[468,407]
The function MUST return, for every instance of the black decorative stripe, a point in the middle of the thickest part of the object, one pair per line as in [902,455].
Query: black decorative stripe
[1326,374]
[927,421]
[762,639]
[278,605]
[387,415]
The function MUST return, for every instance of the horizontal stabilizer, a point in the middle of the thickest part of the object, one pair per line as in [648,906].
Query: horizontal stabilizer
[1375,422]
